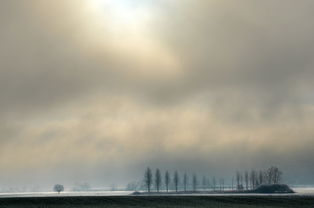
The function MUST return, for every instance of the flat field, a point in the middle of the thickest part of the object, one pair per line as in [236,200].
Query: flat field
[159,201]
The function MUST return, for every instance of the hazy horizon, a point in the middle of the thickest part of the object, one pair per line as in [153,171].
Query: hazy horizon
[97,90]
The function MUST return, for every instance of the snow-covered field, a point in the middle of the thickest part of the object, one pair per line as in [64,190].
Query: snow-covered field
[299,191]
[54,194]
[304,190]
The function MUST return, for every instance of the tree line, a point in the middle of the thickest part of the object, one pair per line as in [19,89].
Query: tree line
[158,181]
[251,180]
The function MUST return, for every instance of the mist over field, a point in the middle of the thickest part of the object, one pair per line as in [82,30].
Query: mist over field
[97,90]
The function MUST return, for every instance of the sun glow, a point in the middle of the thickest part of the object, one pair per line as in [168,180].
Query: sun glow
[124,27]
[122,14]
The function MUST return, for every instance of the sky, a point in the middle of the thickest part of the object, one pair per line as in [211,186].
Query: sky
[97,90]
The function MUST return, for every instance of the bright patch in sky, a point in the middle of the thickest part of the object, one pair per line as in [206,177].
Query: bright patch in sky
[128,15]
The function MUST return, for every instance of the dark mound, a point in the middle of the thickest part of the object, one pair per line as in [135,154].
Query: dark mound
[273,188]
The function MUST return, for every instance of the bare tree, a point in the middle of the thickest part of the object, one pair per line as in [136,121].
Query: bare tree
[269,175]
[148,179]
[157,179]
[273,175]
[253,179]
[246,180]
[278,176]
[176,180]
[185,181]
[241,182]
[204,182]
[208,185]
[214,183]
[238,179]
[58,188]
[194,182]
[167,180]
[261,177]
[221,184]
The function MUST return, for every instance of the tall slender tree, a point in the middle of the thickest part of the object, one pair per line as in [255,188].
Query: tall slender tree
[176,180]
[238,178]
[185,181]
[214,183]
[241,181]
[157,179]
[278,176]
[148,179]
[246,180]
[253,179]
[261,177]
[194,182]
[204,182]
[273,175]
[221,184]
[208,185]
[167,180]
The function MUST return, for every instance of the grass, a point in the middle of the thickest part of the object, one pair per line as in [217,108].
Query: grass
[160,202]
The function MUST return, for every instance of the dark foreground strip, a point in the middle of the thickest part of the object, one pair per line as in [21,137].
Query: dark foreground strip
[159,201]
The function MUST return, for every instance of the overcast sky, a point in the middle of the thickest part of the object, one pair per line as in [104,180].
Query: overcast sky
[97,90]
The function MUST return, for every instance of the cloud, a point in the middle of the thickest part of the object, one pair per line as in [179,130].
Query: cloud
[208,86]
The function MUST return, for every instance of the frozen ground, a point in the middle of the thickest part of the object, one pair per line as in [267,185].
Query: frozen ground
[54,194]
[306,191]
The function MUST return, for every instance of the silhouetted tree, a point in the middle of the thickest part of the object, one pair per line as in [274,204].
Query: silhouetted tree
[221,184]
[185,181]
[278,176]
[238,179]
[148,179]
[246,180]
[204,182]
[241,182]
[167,180]
[176,180]
[214,183]
[261,177]
[253,179]
[157,180]
[58,188]
[273,175]
[208,185]
[194,182]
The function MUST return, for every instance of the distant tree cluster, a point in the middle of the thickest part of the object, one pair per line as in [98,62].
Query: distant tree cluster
[157,181]
[176,182]
[251,180]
